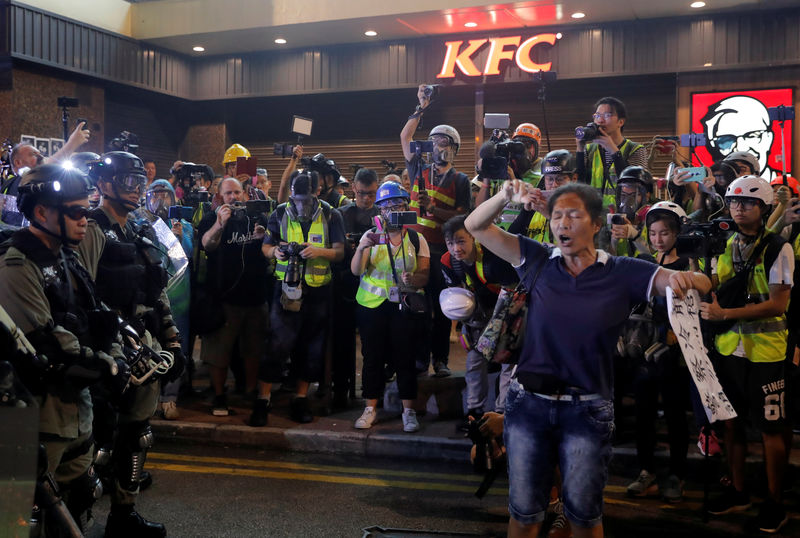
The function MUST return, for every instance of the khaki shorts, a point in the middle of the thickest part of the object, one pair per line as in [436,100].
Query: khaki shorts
[246,324]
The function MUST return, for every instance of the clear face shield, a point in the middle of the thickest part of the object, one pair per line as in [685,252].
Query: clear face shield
[630,199]
[158,202]
[130,182]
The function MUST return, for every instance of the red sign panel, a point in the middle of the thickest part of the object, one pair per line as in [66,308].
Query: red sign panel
[739,121]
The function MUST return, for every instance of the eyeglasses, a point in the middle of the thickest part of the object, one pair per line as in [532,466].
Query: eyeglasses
[366,194]
[75,212]
[728,141]
[605,115]
[393,207]
[746,203]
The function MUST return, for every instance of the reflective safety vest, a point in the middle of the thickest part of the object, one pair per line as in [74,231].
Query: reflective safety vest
[479,272]
[317,270]
[373,289]
[444,197]
[539,229]
[764,340]
[594,158]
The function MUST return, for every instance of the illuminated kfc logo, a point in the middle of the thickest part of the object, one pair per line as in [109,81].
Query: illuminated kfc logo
[739,121]
[500,48]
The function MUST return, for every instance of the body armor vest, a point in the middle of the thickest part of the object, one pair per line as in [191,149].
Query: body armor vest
[130,271]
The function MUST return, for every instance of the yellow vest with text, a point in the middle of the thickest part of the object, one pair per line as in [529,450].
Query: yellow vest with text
[318,270]
[373,289]
[595,159]
[764,340]
[539,229]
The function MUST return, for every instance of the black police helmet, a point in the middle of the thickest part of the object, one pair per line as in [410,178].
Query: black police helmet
[559,161]
[51,185]
[84,160]
[637,174]
[116,166]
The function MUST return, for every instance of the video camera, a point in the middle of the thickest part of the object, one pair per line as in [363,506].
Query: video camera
[704,239]
[187,174]
[588,132]
[318,163]
[124,141]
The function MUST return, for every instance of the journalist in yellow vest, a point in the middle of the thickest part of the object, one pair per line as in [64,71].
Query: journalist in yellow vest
[750,354]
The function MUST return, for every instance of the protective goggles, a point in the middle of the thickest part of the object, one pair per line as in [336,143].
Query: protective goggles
[131,182]
[74,212]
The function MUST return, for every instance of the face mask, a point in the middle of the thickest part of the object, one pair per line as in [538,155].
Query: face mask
[629,203]
[158,203]
[304,206]
[443,156]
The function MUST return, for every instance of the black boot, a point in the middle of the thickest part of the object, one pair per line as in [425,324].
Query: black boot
[125,522]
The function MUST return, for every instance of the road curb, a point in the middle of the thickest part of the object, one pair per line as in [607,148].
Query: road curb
[355,443]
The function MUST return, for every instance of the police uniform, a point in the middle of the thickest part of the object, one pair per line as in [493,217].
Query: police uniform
[131,280]
[48,295]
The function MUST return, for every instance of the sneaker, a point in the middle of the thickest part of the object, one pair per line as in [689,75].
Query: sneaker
[560,527]
[771,517]
[260,414]
[730,501]
[713,443]
[440,369]
[220,406]
[367,419]
[170,411]
[672,492]
[410,423]
[645,484]
[299,410]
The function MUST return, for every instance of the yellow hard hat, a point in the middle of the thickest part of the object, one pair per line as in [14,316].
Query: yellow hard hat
[233,152]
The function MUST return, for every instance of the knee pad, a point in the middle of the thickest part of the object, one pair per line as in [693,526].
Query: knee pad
[135,436]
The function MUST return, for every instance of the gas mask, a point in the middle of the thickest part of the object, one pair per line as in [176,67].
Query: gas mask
[443,151]
[159,201]
[304,206]
[630,198]
[392,206]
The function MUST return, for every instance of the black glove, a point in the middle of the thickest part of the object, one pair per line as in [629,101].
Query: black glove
[178,364]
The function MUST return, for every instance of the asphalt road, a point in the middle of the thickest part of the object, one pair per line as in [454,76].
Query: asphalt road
[227,492]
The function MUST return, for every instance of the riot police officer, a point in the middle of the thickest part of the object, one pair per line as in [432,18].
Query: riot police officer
[131,280]
[49,294]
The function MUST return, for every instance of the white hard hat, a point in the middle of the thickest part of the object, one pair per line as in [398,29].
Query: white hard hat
[457,304]
[745,157]
[447,131]
[667,207]
[750,187]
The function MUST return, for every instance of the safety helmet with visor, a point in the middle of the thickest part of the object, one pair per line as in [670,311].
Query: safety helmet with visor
[633,187]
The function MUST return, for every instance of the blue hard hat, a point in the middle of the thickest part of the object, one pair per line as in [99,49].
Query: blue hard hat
[390,190]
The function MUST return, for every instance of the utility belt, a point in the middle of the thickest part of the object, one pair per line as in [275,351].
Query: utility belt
[551,388]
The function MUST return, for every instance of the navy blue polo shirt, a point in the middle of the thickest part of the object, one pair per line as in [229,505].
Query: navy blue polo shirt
[574,322]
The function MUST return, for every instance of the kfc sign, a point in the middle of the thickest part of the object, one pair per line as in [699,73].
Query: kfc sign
[500,48]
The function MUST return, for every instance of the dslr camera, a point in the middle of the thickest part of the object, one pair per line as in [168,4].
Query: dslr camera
[294,274]
[588,132]
[124,141]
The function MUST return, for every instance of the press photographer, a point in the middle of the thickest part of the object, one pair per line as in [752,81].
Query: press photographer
[191,182]
[238,287]
[755,275]
[603,152]
[357,218]
[438,193]
[305,236]
[393,262]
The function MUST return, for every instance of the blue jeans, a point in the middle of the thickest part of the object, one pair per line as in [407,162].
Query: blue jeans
[540,434]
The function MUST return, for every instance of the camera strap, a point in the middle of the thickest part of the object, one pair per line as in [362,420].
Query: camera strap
[391,256]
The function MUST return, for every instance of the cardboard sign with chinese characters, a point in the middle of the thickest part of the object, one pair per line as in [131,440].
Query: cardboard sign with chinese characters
[685,320]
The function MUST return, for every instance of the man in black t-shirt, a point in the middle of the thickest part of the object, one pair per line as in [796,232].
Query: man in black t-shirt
[237,277]
[357,219]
